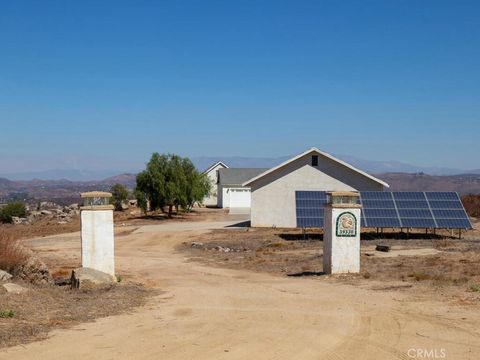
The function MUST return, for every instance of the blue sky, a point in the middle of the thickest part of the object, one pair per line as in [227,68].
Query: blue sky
[106,83]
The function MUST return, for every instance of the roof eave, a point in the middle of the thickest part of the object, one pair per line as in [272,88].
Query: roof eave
[252,180]
[213,165]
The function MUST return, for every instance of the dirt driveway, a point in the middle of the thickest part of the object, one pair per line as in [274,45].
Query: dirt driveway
[214,313]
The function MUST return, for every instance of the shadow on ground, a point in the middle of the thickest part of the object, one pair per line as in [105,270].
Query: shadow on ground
[367,236]
[240,224]
[307,273]
[301,237]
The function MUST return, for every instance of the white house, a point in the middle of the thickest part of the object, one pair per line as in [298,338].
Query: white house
[273,191]
[230,191]
[212,174]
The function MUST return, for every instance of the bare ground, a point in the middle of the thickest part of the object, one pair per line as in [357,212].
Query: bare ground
[44,308]
[439,267]
[49,225]
[211,311]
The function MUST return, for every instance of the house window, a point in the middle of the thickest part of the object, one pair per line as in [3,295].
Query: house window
[314,160]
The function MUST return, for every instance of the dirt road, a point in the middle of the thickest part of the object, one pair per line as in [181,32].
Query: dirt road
[212,313]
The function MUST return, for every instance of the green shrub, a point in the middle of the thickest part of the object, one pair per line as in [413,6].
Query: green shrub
[13,209]
[7,313]
[475,288]
[119,196]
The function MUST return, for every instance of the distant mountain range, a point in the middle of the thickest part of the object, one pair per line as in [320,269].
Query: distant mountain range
[66,192]
[373,167]
[61,191]
[400,176]
[463,184]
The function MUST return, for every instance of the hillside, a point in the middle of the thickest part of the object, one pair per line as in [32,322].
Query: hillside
[463,184]
[61,191]
[66,191]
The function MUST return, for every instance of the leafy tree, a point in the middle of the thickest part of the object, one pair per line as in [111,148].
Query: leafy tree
[142,201]
[13,209]
[168,181]
[119,195]
[196,185]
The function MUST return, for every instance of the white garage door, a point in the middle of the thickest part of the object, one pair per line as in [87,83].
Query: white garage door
[239,198]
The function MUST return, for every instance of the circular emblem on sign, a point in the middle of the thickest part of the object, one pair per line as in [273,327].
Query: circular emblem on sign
[346,225]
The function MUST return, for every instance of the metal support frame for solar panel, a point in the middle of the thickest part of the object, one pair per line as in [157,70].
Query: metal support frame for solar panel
[382,209]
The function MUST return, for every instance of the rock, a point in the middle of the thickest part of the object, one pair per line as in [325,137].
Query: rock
[35,271]
[86,278]
[196,245]
[63,222]
[61,281]
[19,220]
[383,248]
[14,288]
[46,212]
[5,276]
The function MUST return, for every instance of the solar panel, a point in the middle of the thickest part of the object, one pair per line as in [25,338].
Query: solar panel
[415,204]
[379,213]
[414,213]
[433,196]
[376,195]
[310,205]
[378,204]
[391,209]
[454,223]
[446,205]
[408,195]
[382,222]
[418,222]
[448,214]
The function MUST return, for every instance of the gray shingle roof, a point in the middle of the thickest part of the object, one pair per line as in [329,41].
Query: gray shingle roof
[237,176]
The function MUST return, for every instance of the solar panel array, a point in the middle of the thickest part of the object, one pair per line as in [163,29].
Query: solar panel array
[391,209]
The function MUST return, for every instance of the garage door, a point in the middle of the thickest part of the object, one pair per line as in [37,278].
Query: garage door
[239,198]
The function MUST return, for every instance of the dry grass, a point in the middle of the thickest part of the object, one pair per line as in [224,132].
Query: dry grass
[455,271]
[12,254]
[30,316]
[472,204]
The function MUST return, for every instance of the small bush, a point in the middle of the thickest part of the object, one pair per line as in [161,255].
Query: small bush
[475,288]
[13,209]
[420,276]
[277,244]
[12,254]
[7,314]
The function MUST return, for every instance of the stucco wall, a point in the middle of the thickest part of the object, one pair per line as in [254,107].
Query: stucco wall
[340,254]
[273,196]
[213,177]
[97,240]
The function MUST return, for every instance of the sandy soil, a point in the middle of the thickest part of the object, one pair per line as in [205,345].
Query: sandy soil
[216,313]
[444,269]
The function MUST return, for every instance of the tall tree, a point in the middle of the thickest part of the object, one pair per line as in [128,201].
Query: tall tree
[170,181]
[119,195]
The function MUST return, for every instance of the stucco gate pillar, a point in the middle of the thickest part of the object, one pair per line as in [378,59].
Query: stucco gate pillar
[341,233]
[96,222]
